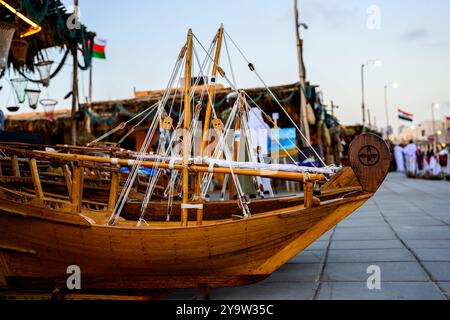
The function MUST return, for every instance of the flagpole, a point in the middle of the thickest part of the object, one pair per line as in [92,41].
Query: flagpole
[90,82]
[88,120]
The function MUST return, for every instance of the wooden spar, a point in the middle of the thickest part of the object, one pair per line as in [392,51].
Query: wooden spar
[294,176]
[186,123]
[206,125]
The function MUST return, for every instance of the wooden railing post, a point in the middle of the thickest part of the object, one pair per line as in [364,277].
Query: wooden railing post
[15,166]
[36,181]
[114,190]
[68,178]
[77,188]
[308,191]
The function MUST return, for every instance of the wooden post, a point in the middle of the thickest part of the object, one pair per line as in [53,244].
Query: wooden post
[114,190]
[77,188]
[15,166]
[186,124]
[68,178]
[308,191]
[36,181]
[73,126]
[304,127]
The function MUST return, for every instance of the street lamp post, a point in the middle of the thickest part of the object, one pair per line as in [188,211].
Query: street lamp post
[376,63]
[434,106]
[395,86]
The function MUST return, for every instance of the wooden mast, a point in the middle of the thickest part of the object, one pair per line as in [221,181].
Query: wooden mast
[212,90]
[208,111]
[186,123]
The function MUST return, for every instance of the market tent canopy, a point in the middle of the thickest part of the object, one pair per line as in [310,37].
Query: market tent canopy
[57,31]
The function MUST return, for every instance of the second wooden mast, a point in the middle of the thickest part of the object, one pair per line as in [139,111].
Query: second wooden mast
[186,125]
[207,118]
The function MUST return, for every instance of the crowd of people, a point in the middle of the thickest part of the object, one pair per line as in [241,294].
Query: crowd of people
[422,160]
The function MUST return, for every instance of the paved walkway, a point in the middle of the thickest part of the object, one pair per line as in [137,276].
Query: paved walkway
[404,230]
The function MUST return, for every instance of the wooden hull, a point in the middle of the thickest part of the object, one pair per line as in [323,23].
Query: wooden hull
[40,237]
[36,248]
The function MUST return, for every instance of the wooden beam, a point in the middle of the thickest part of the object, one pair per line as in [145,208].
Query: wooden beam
[293,176]
[36,181]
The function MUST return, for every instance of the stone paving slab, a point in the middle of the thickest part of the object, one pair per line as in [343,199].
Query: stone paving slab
[428,244]
[295,272]
[440,271]
[446,288]
[364,233]
[407,221]
[317,245]
[426,254]
[267,291]
[370,255]
[366,244]
[390,271]
[423,233]
[309,256]
[388,291]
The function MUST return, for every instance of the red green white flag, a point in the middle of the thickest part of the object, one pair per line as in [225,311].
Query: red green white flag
[99,49]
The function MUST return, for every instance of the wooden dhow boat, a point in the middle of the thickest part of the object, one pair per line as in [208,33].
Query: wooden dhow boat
[121,244]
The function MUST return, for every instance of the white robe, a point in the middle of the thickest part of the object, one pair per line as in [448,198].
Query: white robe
[398,154]
[435,167]
[411,158]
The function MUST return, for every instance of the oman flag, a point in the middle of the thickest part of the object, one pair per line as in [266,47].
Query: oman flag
[99,49]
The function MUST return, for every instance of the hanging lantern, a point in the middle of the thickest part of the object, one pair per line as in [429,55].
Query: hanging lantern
[6,33]
[13,108]
[44,68]
[19,48]
[19,85]
[33,97]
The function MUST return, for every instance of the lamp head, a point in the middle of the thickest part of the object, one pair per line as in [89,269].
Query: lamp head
[304,25]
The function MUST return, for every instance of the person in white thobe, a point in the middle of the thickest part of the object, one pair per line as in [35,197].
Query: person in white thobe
[398,154]
[410,157]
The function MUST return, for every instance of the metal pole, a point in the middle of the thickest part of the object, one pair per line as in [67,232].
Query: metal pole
[434,128]
[386,110]
[304,127]
[73,127]
[363,102]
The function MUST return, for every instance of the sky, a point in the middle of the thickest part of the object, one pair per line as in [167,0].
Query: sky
[410,37]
